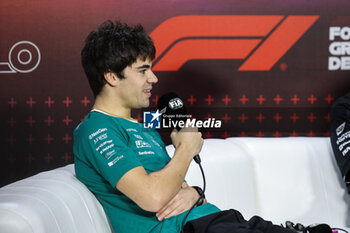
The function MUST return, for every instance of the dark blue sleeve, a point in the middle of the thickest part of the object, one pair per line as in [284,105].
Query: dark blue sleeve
[340,135]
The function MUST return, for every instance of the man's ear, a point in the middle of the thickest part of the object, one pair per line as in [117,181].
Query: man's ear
[111,78]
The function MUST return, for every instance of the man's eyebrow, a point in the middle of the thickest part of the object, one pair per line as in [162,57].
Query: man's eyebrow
[143,67]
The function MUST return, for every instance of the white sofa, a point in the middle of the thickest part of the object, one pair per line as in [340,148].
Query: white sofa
[279,179]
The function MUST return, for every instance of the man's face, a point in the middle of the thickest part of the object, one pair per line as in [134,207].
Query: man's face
[135,88]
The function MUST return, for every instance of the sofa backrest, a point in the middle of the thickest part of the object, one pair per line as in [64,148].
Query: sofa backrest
[51,202]
[279,179]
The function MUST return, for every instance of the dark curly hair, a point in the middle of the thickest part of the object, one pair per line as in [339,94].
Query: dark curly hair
[112,47]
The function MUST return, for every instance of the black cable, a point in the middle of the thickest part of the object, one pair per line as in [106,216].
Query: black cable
[200,197]
[339,229]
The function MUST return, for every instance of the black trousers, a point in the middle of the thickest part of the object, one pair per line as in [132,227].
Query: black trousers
[232,221]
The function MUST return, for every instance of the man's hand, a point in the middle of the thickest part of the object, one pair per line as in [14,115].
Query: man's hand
[189,139]
[183,201]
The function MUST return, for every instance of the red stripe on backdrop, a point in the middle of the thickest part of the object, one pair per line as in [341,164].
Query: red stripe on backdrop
[204,49]
[280,41]
[179,27]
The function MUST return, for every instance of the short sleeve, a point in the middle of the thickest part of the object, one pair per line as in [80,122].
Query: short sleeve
[110,154]
[157,139]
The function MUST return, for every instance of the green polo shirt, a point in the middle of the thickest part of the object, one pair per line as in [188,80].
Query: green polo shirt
[105,148]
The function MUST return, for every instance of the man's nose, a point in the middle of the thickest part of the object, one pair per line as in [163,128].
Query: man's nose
[152,78]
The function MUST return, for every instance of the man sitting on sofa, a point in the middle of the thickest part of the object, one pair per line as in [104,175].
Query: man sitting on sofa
[127,168]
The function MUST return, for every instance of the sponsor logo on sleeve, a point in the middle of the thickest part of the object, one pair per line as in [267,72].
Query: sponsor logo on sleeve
[96,133]
[146,153]
[115,160]
[142,144]
[155,142]
[340,129]
[138,136]
[131,130]
[343,137]
[103,146]
[343,141]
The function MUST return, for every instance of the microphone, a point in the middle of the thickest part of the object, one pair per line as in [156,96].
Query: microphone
[171,104]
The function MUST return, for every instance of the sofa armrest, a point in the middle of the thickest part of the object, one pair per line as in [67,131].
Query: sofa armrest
[52,201]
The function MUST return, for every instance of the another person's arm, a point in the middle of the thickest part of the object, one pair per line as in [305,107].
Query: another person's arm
[340,135]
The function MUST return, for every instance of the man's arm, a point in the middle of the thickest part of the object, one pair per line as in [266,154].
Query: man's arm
[153,191]
[183,201]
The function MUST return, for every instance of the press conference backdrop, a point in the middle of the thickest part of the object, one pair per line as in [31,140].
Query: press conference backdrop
[265,68]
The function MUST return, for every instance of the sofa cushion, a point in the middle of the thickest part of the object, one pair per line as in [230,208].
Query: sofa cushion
[279,179]
[229,175]
[297,179]
[52,201]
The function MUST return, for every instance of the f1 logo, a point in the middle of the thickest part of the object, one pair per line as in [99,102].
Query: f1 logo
[151,120]
[261,40]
